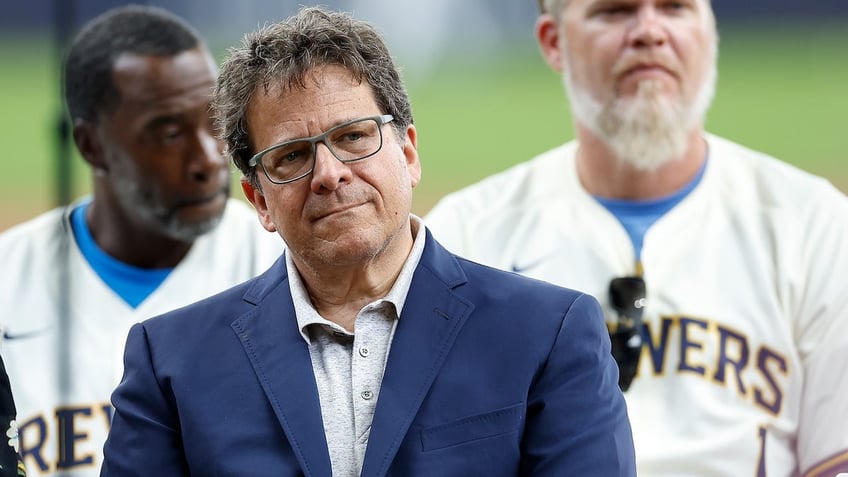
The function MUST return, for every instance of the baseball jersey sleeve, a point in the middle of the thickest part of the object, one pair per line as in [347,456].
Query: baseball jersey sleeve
[821,305]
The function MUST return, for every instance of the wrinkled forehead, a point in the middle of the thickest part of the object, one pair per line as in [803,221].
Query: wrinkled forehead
[553,6]
[328,96]
[559,8]
[304,89]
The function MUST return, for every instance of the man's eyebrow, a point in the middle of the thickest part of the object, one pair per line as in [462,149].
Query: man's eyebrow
[162,120]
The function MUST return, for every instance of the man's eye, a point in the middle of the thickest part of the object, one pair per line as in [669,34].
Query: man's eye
[292,156]
[291,153]
[614,10]
[170,134]
[674,6]
[352,136]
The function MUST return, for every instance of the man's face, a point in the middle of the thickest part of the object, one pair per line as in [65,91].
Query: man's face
[640,73]
[160,158]
[341,214]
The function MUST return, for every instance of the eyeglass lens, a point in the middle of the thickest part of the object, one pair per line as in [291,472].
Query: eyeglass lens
[348,142]
[627,298]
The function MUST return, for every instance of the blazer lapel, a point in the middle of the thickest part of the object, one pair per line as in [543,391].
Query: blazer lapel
[431,318]
[281,361]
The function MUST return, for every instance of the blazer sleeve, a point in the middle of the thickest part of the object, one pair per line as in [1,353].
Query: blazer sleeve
[145,437]
[577,420]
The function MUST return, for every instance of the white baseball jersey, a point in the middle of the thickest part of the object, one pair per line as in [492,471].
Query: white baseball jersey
[65,434]
[745,372]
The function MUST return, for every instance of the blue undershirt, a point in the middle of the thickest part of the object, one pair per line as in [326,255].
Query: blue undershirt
[131,283]
[637,216]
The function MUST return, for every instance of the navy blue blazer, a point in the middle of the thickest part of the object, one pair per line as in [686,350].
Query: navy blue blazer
[489,373]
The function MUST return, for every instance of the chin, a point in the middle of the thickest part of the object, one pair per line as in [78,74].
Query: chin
[189,231]
[349,249]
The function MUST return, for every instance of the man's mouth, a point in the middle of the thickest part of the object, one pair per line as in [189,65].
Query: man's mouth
[214,200]
[336,210]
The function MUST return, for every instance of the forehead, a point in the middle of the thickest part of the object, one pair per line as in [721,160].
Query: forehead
[329,95]
[582,4]
[179,81]
[574,12]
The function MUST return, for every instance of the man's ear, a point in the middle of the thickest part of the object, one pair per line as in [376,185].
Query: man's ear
[547,35]
[257,198]
[88,144]
[410,152]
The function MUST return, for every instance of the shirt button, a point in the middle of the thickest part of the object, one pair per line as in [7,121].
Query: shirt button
[364,352]
[367,395]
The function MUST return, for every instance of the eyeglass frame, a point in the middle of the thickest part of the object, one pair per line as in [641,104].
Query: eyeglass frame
[381,120]
[629,323]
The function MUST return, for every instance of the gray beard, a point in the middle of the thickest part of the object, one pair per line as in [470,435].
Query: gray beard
[645,131]
[132,197]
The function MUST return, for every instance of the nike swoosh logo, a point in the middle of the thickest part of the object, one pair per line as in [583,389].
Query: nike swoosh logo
[522,268]
[18,336]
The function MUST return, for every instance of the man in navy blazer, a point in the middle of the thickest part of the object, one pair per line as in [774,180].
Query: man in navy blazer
[367,349]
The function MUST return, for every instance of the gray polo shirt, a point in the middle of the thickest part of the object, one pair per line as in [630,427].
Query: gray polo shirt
[348,366]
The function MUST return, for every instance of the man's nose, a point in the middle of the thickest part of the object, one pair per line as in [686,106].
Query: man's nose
[649,29]
[329,172]
[206,156]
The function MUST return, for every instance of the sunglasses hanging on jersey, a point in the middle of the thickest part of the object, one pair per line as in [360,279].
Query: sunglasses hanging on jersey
[627,297]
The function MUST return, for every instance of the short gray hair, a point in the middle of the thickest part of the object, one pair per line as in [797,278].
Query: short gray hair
[284,53]
[89,86]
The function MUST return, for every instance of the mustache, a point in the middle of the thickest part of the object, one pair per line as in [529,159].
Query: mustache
[188,202]
[631,64]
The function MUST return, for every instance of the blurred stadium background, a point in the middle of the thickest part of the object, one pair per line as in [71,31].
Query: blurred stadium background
[482,97]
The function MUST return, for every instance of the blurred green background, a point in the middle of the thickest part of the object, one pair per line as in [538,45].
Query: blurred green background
[781,90]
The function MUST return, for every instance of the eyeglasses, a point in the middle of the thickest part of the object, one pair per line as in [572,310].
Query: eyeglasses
[627,298]
[348,142]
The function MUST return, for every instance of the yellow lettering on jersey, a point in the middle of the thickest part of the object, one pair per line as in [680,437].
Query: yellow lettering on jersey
[35,433]
[66,421]
[702,342]
[32,436]
[688,334]
[768,362]
[732,352]
[657,347]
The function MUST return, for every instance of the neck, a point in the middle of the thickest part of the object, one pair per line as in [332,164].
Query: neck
[602,173]
[338,292]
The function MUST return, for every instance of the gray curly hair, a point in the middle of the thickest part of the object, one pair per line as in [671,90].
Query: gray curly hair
[284,53]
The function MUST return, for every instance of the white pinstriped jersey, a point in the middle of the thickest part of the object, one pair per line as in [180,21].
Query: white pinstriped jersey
[744,371]
[67,434]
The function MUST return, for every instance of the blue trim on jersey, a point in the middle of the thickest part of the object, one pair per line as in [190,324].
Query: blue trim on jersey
[131,283]
[637,216]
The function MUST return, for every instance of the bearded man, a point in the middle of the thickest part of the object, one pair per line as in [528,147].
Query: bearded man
[714,263]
